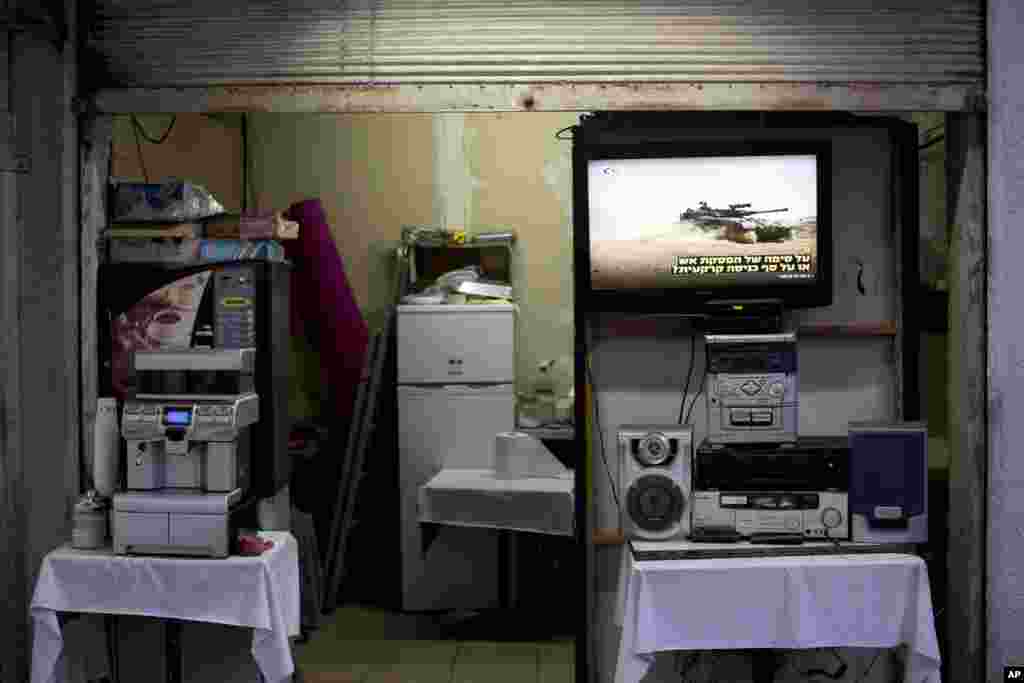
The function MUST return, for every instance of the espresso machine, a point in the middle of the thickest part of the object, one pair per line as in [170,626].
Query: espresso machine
[187,434]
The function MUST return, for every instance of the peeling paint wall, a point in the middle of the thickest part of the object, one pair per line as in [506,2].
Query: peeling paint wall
[525,183]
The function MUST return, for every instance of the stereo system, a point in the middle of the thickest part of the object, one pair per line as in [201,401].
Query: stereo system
[752,388]
[753,476]
[798,488]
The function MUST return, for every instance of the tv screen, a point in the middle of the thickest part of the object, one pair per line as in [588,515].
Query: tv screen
[714,224]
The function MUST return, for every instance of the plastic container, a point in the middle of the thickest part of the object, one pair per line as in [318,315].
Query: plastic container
[91,523]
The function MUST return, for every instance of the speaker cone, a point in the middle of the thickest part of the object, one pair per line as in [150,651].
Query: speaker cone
[655,502]
[653,451]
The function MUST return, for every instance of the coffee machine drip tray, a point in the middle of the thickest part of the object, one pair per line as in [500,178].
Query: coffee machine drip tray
[176,522]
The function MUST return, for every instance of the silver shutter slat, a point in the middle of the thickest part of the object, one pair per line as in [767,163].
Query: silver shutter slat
[159,43]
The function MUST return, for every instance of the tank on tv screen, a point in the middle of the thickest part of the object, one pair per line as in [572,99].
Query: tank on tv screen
[736,223]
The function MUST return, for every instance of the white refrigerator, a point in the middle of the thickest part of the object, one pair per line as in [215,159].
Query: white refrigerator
[456,370]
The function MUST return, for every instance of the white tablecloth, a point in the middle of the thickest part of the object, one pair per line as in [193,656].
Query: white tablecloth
[477,498]
[870,600]
[261,593]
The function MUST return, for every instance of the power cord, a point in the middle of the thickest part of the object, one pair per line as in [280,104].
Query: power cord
[137,125]
[836,675]
[600,435]
[684,670]
[138,149]
[140,132]
[701,388]
[689,376]
[871,666]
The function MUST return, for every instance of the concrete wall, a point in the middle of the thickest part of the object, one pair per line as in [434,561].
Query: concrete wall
[1006,388]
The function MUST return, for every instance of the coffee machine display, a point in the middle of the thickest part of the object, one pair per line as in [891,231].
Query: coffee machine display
[189,453]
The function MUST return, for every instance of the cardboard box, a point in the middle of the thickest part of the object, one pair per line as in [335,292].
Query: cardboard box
[252,226]
[186,252]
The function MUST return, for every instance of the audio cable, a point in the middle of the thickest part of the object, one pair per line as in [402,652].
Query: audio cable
[600,435]
[689,375]
[836,675]
[700,388]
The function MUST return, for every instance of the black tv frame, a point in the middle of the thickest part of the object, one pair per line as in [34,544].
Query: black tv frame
[687,300]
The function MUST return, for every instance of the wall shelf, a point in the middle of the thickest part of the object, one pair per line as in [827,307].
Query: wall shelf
[673,326]
[879,329]
[549,433]
[609,537]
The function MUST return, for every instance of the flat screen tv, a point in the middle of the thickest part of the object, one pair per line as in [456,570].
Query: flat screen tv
[671,227]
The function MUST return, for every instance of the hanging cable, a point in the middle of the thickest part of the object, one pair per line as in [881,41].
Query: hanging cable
[871,666]
[142,131]
[700,388]
[560,135]
[138,149]
[836,675]
[600,434]
[689,376]
[245,162]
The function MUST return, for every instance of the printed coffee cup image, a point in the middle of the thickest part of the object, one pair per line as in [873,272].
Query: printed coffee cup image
[169,329]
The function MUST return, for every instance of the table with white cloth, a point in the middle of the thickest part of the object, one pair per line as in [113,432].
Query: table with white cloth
[856,600]
[480,498]
[258,592]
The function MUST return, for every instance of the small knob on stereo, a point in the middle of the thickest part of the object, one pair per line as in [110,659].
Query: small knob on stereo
[776,389]
[831,517]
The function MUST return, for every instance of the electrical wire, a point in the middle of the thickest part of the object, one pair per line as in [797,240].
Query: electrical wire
[836,675]
[137,125]
[689,375]
[871,666]
[142,161]
[600,434]
[701,388]
[684,671]
[559,135]
[245,162]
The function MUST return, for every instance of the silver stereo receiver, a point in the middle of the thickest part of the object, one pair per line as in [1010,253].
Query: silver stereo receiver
[799,488]
[751,388]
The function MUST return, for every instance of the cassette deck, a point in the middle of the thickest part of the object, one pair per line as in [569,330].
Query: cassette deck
[774,488]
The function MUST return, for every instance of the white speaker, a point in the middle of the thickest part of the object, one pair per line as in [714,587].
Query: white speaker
[655,464]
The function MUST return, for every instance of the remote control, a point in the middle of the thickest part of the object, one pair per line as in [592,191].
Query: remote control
[777,539]
[712,535]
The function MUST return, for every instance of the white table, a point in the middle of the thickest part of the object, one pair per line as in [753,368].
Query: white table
[478,498]
[261,593]
[869,600]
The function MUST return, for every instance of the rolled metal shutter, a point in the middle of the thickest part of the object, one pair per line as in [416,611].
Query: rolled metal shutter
[160,43]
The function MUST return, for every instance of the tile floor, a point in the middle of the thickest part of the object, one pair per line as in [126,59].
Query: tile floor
[367,645]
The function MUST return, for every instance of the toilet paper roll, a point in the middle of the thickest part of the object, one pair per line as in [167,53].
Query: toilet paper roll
[518,455]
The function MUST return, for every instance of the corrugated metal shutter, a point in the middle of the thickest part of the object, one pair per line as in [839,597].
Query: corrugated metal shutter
[188,42]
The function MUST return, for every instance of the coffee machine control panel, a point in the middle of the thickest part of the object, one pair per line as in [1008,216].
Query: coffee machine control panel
[177,420]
